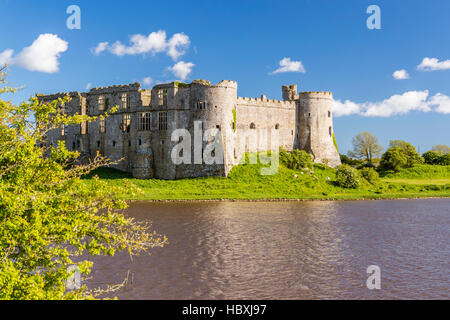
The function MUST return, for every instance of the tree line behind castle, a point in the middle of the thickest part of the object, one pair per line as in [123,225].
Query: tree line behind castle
[368,161]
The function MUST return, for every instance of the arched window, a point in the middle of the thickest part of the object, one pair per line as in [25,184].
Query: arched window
[252,126]
[329,114]
[331,131]
[277,126]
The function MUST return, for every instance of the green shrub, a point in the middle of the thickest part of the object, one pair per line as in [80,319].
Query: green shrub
[370,175]
[297,159]
[400,155]
[432,157]
[347,177]
[444,160]
[350,161]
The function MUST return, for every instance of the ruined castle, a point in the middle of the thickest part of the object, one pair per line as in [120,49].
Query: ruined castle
[140,132]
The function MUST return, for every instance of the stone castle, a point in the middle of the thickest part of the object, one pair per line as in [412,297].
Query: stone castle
[140,132]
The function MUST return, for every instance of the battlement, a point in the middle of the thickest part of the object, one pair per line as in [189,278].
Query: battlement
[55,96]
[316,95]
[264,102]
[117,88]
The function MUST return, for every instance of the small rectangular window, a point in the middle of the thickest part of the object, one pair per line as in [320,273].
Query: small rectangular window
[160,97]
[102,126]
[101,103]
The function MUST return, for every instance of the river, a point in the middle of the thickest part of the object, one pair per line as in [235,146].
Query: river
[288,250]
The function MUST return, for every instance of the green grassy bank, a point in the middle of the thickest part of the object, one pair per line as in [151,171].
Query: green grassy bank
[246,183]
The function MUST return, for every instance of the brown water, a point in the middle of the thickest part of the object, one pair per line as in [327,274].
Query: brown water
[288,250]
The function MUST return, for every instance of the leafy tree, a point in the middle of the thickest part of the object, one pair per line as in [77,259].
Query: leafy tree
[441,148]
[347,177]
[432,157]
[49,216]
[365,145]
[444,160]
[393,159]
[412,156]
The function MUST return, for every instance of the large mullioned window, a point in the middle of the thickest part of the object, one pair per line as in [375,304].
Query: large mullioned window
[145,121]
[162,120]
[126,122]
[126,101]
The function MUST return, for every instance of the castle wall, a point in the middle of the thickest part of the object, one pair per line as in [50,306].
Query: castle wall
[301,121]
[256,117]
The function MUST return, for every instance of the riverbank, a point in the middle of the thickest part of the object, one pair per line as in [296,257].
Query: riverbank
[245,183]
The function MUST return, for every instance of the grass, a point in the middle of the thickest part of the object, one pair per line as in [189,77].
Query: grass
[246,183]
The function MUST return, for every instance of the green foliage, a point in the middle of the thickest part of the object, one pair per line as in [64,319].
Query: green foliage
[181,84]
[393,159]
[347,177]
[400,155]
[297,159]
[370,175]
[234,124]
[432,157]
[48,214]
[353,162]
[420,171]
[335,142]
[444,160]
[436,158]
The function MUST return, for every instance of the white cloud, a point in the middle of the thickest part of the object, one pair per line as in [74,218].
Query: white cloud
[286,65]
[433,64]
[147,81]
[182,69]
[177,44]
[401,74]
[345,108]
[100,48]
[6,56]
[155,42]
[396,105]
[42,55]
[88,86]
[442,103]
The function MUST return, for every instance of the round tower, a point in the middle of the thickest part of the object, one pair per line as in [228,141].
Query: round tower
[213,105]
[315,121]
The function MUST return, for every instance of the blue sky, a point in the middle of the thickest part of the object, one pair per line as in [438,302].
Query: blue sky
[245,41]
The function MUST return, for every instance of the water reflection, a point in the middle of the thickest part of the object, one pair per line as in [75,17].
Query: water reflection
[288,250]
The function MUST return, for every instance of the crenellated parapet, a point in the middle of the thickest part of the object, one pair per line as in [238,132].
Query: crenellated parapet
[56,96]
[316,95]
[116,89]
[264,102]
